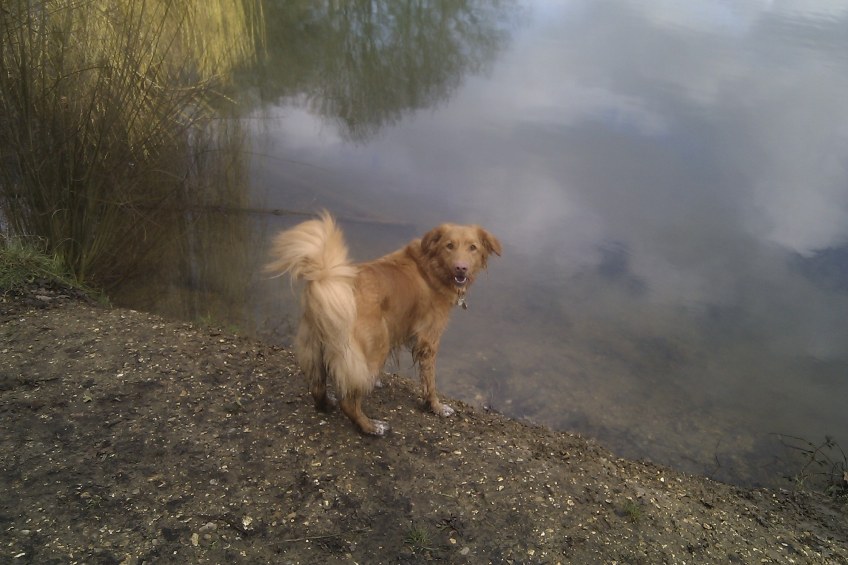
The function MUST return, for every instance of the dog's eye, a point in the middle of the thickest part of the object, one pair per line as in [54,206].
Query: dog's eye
[472,247]
[450,245]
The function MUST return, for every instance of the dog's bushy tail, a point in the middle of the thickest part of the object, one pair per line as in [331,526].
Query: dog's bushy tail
[315,251]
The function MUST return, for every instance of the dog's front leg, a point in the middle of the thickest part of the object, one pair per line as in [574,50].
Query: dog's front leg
[426,356]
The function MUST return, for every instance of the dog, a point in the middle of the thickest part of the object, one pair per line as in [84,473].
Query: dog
[356,315]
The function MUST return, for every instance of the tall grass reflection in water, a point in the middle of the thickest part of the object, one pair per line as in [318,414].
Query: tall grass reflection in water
[107,122]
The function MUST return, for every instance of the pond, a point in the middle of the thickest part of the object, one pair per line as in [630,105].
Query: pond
[669,181]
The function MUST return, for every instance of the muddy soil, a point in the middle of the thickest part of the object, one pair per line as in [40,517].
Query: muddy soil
[127,438]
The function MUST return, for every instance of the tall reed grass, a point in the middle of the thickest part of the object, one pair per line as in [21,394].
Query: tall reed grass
[105,106]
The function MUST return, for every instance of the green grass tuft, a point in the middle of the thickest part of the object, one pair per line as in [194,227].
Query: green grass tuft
[24,263]
[632,510]
[418,538]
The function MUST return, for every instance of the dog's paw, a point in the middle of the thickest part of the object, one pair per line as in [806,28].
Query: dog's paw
[326,403]
[380,428]
[444,411]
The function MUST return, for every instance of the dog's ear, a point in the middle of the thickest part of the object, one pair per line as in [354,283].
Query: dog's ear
[431,239]
[490,242]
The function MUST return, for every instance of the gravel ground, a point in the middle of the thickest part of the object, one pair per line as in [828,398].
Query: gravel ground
[131,439]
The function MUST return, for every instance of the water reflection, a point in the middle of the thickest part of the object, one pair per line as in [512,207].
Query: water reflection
[365,64]
[359,65]
[205,246]
[669,180]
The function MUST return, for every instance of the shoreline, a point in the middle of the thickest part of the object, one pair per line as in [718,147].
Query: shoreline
[134,439]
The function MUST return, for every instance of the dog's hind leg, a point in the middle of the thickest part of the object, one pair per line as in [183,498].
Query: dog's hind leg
[310,355]
[354,377]
[351,405]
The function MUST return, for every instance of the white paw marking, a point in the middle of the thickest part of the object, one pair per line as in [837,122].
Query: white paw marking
[380,427]
[446,411]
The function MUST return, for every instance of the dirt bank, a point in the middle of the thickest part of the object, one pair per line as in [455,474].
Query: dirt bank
[131,439]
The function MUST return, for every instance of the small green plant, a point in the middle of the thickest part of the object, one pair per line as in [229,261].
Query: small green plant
[23,263]
[632,510]
[823,465]
[418,538]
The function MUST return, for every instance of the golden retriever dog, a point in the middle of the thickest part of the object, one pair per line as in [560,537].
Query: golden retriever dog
[356,315]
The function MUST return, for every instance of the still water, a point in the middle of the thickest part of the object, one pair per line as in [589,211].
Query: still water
[669,180]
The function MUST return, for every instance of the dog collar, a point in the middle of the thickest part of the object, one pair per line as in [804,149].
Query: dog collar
[460,301]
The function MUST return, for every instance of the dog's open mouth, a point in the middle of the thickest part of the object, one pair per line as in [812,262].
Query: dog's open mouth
[460,280]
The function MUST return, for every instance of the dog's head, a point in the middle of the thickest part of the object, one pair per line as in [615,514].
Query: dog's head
[459,252]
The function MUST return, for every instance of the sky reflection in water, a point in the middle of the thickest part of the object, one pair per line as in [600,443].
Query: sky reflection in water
[669,182]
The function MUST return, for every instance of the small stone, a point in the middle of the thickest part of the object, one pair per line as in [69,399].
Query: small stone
[195,539]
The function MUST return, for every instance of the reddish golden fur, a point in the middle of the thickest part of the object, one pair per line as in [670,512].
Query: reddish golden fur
[355,315]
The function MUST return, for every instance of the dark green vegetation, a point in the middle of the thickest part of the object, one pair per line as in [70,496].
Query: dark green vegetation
[106,121]
[22,265]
